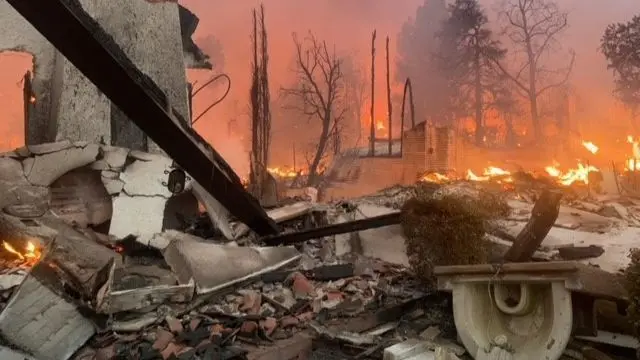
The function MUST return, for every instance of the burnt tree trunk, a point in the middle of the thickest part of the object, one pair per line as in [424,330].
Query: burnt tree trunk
[477,67]
[543,216]
[389,106]
[372,130]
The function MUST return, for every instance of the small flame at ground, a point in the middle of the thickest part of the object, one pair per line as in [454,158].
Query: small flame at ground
[31,254]
[577,174]
[435,177]
[380,125]
[593,148]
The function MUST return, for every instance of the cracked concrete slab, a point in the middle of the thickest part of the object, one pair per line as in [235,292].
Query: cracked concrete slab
[44,169]
[214,267]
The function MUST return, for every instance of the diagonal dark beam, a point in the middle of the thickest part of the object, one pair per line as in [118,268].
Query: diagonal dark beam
[83,42]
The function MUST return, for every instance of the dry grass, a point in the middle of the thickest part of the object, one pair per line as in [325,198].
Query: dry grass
[448,230]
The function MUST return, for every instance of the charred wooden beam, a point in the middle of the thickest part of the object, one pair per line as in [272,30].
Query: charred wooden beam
[94,52]
[543,216]
[335,229]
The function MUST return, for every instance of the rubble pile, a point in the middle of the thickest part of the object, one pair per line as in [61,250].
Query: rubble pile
[101,261]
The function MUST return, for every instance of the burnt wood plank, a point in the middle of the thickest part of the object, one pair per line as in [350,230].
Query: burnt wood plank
[83,42]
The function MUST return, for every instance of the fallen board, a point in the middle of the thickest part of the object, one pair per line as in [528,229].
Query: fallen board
[83,42]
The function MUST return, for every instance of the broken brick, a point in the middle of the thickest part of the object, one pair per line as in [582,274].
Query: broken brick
[163,338]
[334,296]
[251,302]
[171,349]
[216,329]
[301,286]
[269,325]
[175,325]
[106,353]
[289,321]
[248,328]
[194,323]
[306,316]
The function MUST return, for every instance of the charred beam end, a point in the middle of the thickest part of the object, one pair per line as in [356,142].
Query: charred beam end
[83,42]
[543,216]
[335,229]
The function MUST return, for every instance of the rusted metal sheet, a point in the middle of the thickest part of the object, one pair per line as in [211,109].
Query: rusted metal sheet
[83,42]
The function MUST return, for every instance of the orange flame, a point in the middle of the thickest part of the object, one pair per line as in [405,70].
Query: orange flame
[593,148]
[577,174]
[30,255]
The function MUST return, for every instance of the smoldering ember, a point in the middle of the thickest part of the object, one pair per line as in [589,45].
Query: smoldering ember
[493,224]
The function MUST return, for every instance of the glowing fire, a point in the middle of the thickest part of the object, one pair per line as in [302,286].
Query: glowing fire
[32,99]
[491,173]
[380,125]
[593,148]
[577,174]
[633,163]
[435,177]
[282,172]
[30,255]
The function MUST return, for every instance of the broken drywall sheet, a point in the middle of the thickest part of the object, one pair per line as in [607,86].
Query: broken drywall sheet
[385,243]
[215,267]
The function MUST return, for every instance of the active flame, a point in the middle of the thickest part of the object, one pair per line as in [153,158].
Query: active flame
[593,148]
[380,125]
[31,254]
[435,177]
[577,174]
[633,163]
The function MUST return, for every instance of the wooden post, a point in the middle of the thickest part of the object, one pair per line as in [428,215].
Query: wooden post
[543,216]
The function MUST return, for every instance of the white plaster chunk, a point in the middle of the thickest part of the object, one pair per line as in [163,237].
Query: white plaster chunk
[81,143]
[99,165]
[113,186]
[145,156]
[11,171]
[80,197]
[146,178]
[385,243]
[215,267]
[48,148]
[116,157]
[137,215]
[108,174]
[44,169]
[218,214]
[11,193]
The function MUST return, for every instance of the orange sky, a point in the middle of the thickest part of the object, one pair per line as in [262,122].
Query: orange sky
[348,24]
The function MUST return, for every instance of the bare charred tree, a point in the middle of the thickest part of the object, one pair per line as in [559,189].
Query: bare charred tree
[534,26]
[355,82]
[319,93]
[372,129]
[389,106]
[260,105]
